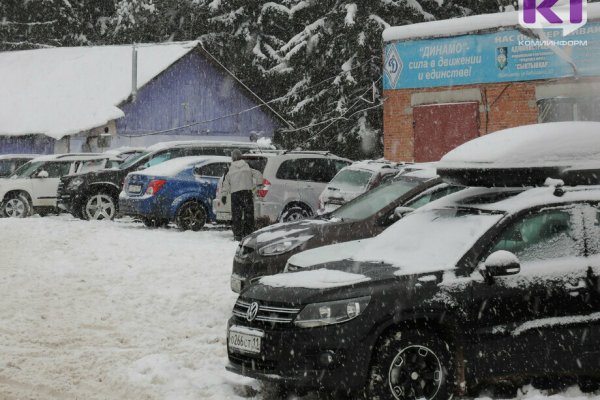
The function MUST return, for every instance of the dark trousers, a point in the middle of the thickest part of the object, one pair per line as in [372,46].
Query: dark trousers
[242,213]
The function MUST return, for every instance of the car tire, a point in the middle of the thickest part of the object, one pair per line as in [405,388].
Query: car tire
[588,384]
[99,206]
[17,206]
[411,364]
[295,213]
[191,216]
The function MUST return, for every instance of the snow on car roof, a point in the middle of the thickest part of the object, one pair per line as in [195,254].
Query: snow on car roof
[71,157]
[124,149]
[200,143]
[372,165]
[511,200]
[554,144]
[74,89]
[176,165]
[464,25]
[9,156]
[542,196]
[426,173]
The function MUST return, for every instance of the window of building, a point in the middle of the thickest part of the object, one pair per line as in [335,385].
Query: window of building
[559,109]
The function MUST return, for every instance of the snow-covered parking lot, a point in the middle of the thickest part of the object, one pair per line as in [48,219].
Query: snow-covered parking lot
[113,310]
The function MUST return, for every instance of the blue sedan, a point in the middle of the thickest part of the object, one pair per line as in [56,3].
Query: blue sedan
[179,190]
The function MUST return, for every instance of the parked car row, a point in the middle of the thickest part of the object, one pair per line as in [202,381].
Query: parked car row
[128,182]
[32,187]
[493,280]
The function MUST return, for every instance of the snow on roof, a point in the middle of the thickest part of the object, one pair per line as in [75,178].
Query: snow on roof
[63,91]
[464,25]
[176,165]
[555,144]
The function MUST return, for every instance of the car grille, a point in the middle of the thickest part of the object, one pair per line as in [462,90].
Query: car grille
[266,313]
[60,191]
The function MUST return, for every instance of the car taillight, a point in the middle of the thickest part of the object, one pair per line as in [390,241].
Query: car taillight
[154,186]
[266,185]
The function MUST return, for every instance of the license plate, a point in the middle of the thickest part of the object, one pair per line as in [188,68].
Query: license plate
[135,188]
[245,340]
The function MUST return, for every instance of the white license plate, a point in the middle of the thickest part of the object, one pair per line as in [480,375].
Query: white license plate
[135,188]
[245,340]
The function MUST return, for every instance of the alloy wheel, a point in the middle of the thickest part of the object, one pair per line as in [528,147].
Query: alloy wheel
[16,207]
[191,216]
[100,206]
[415,373]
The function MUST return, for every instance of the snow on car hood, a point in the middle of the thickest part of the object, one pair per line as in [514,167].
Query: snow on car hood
[327,254]
[314,279]
[428,240]
[556,144]
[279,231]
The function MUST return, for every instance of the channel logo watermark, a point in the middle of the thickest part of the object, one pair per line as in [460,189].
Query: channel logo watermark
[568,15]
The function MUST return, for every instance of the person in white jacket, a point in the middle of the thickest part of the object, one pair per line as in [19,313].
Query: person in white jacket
[241,181]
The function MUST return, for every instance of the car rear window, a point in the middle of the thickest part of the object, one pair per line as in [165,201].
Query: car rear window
[352,179]
[309,169]
[257,163]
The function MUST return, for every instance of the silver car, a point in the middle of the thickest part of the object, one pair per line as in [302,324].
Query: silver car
[292,183]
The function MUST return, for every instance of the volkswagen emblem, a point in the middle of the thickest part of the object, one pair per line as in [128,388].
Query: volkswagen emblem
[252,311]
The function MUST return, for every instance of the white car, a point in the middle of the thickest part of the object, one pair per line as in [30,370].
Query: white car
[354,180]
[32,188]
[291,186]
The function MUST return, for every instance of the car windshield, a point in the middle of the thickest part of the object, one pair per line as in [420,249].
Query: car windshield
[26,169]
[354,180]
[429,240]
[375,200]
[133,160]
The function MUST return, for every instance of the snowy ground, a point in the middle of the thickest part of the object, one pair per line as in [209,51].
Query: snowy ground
[113,310]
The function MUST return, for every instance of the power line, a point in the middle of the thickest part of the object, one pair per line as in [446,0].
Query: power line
[264,103]
[245,86]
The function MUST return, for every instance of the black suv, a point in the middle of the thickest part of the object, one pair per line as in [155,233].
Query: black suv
[484,285]
[266,251]
[95,195]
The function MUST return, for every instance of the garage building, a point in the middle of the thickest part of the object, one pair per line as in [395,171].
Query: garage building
[446,82]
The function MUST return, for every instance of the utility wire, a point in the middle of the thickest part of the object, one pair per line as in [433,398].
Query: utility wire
[246,87]
[264,103]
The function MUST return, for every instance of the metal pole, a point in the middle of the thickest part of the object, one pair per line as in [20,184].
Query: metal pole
[134,73]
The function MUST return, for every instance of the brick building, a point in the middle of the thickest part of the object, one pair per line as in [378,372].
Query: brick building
[447,82]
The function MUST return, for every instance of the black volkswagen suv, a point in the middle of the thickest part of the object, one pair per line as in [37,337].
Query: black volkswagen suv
[94,195]
[484,285]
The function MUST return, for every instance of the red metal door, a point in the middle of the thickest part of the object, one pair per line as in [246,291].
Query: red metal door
[439,128]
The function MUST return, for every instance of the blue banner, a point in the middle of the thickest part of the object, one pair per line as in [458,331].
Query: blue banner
[504,56]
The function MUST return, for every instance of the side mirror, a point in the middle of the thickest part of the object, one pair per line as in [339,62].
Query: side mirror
[500,263]
[400,212]
[42,174]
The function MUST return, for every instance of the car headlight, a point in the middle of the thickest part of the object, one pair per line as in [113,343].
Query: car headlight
[332,312]
[283,246]
[75,183]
